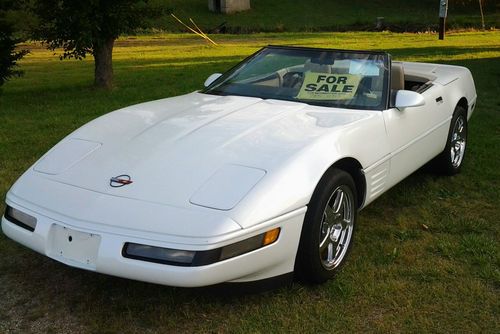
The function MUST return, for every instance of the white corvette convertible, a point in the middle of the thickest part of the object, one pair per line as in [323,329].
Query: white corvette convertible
[259,175]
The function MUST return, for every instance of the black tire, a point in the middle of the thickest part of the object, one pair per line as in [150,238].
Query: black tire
[311,265]
[449,162]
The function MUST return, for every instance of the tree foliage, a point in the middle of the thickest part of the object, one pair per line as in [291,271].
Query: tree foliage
[91,27]
[9,55]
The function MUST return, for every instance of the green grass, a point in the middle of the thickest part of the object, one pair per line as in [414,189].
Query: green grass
[327,15]
[400,277]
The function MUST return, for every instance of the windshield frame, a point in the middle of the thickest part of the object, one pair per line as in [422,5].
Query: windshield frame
[385,99]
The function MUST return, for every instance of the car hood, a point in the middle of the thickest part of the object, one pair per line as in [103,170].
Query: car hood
[193,150]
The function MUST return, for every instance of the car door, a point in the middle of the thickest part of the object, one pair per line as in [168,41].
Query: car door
[416,134]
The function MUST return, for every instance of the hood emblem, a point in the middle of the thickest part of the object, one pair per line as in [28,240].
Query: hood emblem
[120,181]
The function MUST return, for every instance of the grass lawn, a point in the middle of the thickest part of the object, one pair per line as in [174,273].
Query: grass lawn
[400,277]
[328,15]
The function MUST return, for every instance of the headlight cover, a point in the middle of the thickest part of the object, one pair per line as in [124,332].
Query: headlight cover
[158,254]
[187,258]
[20,218]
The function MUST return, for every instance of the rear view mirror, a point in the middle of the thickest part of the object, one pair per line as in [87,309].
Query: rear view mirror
[408,99]
[212,78]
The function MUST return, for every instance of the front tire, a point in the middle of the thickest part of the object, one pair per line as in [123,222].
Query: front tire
[328,228]
[450,161]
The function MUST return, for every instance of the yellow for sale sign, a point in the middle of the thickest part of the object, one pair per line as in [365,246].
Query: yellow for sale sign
[324,86]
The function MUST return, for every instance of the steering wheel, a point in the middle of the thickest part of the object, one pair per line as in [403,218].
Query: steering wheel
[292,79]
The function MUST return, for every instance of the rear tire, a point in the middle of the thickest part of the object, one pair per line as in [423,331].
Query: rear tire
[450,161]
[328,228]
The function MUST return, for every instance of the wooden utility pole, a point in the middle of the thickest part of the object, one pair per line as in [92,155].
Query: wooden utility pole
[443,12]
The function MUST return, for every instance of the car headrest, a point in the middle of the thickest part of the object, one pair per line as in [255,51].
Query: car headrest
[397,76]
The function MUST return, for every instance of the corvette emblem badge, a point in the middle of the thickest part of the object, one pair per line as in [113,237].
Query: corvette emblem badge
[120,181]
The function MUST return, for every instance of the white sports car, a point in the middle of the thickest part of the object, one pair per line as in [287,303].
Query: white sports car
[259,175]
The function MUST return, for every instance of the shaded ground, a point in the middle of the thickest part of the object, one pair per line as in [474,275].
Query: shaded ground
[330,15]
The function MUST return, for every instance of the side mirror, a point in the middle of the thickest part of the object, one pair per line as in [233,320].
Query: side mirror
[408,99]
[212,78]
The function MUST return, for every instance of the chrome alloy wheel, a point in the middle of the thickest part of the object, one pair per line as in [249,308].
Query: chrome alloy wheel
[458,141]
[336,227]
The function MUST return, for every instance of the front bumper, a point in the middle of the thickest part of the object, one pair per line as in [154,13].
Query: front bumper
[101,251]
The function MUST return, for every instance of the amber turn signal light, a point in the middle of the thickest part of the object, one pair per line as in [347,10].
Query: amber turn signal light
[271,236]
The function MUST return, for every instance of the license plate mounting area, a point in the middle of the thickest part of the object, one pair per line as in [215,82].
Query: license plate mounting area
[74,247]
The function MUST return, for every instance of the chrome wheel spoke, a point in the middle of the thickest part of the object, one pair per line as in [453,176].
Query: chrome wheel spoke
[335,231]
[323,243]
[339,200]
[458,142]
[460,125]
[330,253]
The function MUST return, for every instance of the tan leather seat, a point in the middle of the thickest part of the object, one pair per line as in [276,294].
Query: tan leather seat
[397,76]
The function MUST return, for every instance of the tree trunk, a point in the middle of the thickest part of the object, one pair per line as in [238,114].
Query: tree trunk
[482,14]
[103,62]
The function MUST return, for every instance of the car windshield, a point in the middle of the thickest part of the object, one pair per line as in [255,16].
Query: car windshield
[334,78]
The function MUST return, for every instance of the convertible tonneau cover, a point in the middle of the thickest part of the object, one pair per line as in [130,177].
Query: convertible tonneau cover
[439,73]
